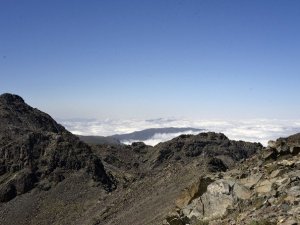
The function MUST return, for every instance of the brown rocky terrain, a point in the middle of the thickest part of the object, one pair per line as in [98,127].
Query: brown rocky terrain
[48,176]
[150,178]
[264,189]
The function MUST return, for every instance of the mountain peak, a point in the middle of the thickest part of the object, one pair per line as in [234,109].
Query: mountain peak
[34,147]
[8,98]
[16,115]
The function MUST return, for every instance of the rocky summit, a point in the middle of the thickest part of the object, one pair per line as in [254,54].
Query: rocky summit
[49,176]
[37,153]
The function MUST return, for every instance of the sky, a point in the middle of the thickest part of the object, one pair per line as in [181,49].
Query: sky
[118,59]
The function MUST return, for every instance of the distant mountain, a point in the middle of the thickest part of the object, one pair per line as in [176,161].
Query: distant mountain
[141,136]
[149,133]
[99,140]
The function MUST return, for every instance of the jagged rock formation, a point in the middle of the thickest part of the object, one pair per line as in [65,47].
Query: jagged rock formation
[264,189]
[220,152]
[35,151]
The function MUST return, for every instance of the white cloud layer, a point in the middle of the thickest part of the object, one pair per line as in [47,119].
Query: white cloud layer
[260,130]
[161,137]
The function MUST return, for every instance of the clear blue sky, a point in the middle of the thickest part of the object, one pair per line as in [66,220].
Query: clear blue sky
[156,58]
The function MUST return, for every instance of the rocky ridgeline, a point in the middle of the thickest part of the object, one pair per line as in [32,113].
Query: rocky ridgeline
[218,151]
[35,151]
[48,176]
[264,189]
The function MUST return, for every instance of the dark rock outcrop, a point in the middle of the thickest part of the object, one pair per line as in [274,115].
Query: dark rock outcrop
[33,146]
[207,145]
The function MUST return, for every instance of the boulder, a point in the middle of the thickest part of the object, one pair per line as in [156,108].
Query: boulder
[264,186]
[241,192]
[290,221]
[213,203]
[277,173]
[7,192]
[252,180]
[272,144]
[216,165]
[192,192]
[283,149]
[173,220]
[24,181]
[286,163]
[268,154]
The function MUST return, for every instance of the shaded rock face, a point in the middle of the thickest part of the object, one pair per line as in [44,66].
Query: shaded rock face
[124,157]
[33,146]
[262,190]
[216,165]
[16,115]
[210,145]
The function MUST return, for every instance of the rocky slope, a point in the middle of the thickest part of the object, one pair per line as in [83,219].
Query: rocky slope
[150,178]
[36,152]
[215,148]
[264,189]
[48,176]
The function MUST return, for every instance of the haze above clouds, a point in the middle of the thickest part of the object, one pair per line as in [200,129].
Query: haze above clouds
[148,59]
[156,59]
[261,130]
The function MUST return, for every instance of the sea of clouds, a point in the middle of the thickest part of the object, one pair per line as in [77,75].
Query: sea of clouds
[160,137]
[256,130]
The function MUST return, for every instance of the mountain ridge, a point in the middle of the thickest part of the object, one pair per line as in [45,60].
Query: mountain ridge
[34,147]
[136,136]
[49,176]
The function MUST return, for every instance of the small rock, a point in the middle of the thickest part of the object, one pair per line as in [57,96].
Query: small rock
[251,181]
[272,144]
[264,187]
[241,192]
[277,173]
[290,222]
[269,154]
[282,181]
[294,191]
[174,220]
[283,149]
[287,163]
